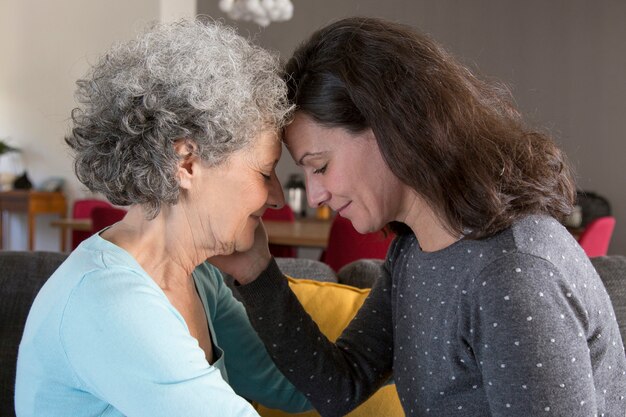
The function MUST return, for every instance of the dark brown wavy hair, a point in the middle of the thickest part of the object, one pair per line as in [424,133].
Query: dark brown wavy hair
[457,140]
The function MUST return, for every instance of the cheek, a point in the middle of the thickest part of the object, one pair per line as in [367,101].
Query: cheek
[250,202]
[245,238]
[252,196]
[257,199]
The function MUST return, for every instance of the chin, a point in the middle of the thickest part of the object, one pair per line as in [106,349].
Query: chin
[360,227]
[243,243]
[243,247]
[364,227]
[245,239]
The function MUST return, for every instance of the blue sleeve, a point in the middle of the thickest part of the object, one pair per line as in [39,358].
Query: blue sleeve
[528,332]
[129,346]
[251,371]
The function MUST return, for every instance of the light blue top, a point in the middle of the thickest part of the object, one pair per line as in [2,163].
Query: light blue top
[102,339]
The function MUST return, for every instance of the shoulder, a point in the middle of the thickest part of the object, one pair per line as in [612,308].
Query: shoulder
[102,281]
[536,251]
[400,248]
[112,290]
[527,290]
[517,270]
[544,237]
[113,303]
[215,288]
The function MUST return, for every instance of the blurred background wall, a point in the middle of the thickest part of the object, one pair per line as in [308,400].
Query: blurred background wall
[565,61]
[45,46]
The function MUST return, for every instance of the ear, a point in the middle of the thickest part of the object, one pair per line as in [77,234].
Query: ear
[186,150]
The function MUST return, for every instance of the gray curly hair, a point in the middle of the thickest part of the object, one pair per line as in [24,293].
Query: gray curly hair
[190,79]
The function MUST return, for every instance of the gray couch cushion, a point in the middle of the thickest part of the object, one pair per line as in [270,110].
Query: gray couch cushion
[612,270]
[306,268]
[361,274]
[23,274]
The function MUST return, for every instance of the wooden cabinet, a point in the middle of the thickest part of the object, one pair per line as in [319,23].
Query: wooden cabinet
[32,203]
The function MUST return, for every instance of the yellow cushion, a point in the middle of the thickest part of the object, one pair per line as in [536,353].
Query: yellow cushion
[333,306]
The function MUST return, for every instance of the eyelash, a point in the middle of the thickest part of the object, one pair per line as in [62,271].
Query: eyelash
[266,177]
[320,170]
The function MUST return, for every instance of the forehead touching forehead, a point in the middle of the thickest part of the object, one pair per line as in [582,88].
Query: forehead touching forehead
[265,148]
[307,138]
[301,132]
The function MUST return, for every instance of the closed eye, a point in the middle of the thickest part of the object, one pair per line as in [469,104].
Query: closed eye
[320,170]
[266,177]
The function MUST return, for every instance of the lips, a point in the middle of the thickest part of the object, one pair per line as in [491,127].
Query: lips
[340,209]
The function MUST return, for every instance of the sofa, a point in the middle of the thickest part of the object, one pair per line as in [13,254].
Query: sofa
[331,299]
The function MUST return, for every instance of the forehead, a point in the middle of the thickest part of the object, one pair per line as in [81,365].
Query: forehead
[267,139]
[306,137]
[303,129]
[265,146]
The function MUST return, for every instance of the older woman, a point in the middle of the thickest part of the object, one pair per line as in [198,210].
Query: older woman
[486,305]
[180,125]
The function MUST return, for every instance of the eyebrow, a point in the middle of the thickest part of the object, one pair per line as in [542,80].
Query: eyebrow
[307,154]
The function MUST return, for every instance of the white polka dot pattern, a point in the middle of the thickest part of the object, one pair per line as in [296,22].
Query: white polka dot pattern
[510,323]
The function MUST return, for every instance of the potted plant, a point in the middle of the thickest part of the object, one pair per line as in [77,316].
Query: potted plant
[6,175]
[6,148]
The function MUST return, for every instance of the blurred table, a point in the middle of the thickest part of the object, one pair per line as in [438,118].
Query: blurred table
[310,233]
[33,203]
[67,225]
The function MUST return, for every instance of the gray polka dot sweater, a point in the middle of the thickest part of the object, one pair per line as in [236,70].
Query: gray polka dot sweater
[517,324]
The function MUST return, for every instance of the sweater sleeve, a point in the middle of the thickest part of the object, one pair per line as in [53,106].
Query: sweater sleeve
[336,377]
[529,332]
[251,372]
[128,346]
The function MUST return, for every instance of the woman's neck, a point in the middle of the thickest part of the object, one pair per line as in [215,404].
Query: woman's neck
[164,246]
[429,229]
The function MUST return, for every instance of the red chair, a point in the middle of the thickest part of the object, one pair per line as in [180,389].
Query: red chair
[284,214]
[102,217]
[597,235]
[346,245]
[82,210]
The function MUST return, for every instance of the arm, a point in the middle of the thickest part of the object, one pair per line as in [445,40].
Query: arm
[128,346]
[530,337]
[335,377]
[251,372]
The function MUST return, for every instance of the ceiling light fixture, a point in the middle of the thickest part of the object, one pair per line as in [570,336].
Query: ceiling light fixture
[262,12]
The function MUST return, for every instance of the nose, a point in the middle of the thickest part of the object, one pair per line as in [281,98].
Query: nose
[316,193]
[275,196]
